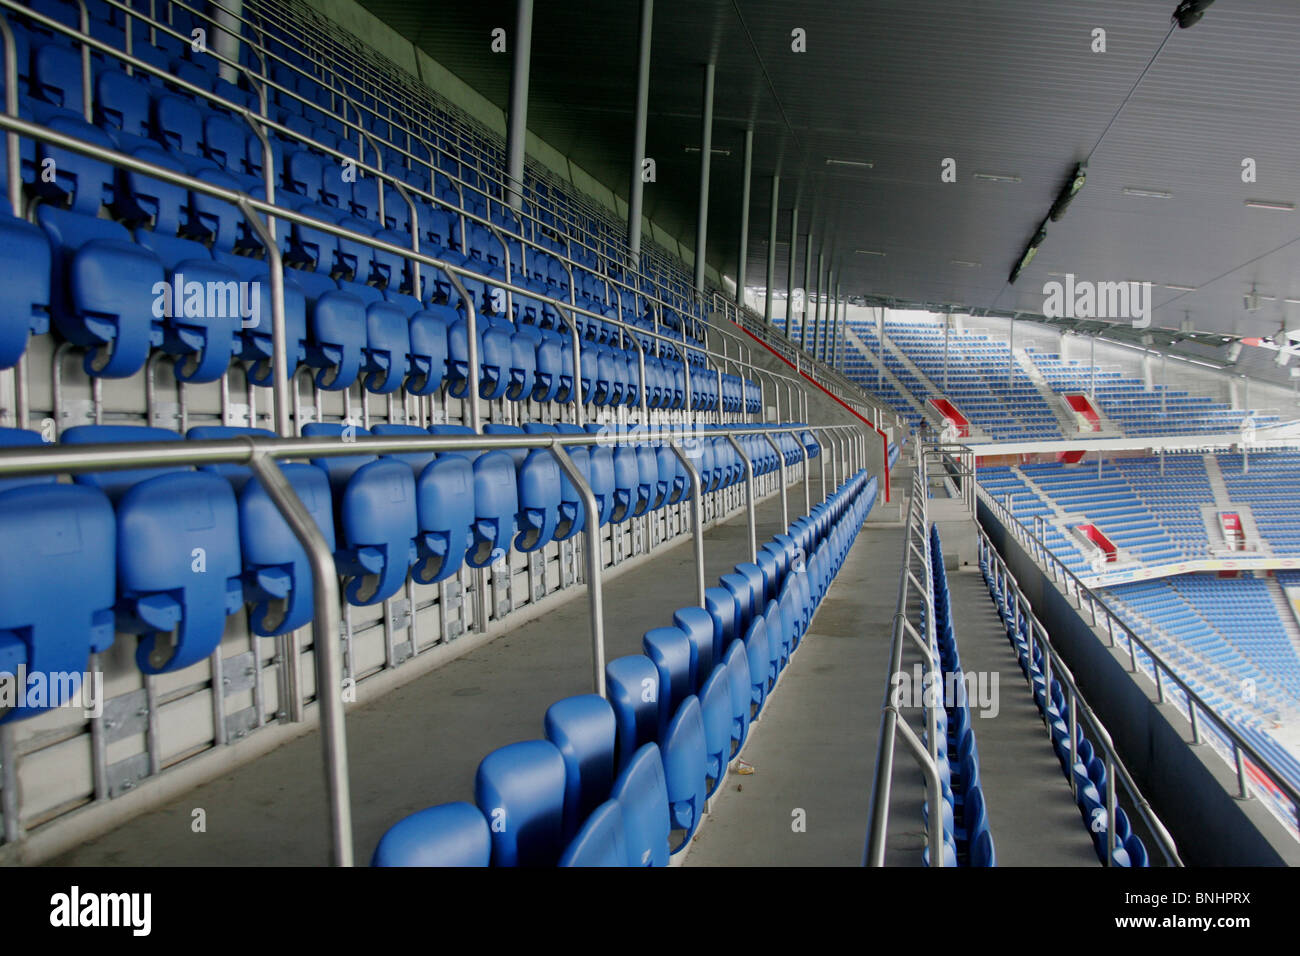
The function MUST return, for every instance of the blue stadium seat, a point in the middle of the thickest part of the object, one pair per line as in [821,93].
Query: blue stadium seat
[520,789]
[451,834]
[715,710]
[670,651]
[101,283]
[178,552]
[375,517]
[583,729]
[685,757]
[602,841]
[740,686]
[277,574]
[24,309]
[632,687]
[641,791]
[697,625]
[51,534]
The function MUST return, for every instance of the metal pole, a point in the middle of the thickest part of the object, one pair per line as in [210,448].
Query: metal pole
[697,516]
[749,498]
[591,554]
[325,631]
[771,250]
[742,263]
[706,156]
[835,329]
[780,461]
[826,316]
[279,347]
[1092,360]
[789,282]
[817,316]
[807,290]
[636,192]
[947,327]
[518,119]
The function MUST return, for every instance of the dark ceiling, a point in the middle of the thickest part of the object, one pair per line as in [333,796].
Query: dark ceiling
[1008,87]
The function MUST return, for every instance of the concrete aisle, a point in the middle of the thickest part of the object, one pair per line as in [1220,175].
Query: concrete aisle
[814,748]
[1032,815]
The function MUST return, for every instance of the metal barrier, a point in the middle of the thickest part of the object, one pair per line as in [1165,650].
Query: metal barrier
[1054,667]
[1100,614]
[915,595]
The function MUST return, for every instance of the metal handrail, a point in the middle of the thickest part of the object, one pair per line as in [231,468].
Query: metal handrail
[915,582]
[248,203]
[1008,586]
[1164,673]
[260,122]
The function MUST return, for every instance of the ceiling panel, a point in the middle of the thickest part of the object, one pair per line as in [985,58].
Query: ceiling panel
[1001,86]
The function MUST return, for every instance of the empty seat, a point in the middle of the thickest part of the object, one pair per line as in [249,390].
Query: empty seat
[602,841]
[178,551]
[583,729]
[277,574]
[641,791]
[52,536]
[451,834]
[520,789]
[374,517]
[685,757]
[632,686]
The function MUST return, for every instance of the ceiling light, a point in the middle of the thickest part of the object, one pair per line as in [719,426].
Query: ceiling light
[1267,204]
[867,252]
[997,178]
[1031,250]
[1189,12]
[1181,288]
[1147,193]
[1069,191]
[965,262]
[855,163]
[714,150]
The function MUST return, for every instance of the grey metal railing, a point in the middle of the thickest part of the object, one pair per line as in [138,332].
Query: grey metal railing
[1054,668]
[915,594]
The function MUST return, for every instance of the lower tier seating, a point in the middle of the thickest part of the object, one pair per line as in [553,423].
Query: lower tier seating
[625,780]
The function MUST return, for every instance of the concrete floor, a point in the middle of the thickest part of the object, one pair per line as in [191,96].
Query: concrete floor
[815,746]
[1032,815]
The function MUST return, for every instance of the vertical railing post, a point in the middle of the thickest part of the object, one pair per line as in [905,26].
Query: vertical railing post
[325,631]
[593,560]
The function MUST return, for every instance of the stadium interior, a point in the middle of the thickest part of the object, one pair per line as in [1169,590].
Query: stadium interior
[639,434]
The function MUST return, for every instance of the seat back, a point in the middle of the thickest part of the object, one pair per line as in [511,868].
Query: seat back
[602,841]
[685,756]
[641,790]
[583,729]
[451,834]
[632,687]
[520,789]
[697,624]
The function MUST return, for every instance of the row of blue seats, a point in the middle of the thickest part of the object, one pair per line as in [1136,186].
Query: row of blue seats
[168,549]
[1087,770]
[624,780]
[967,838]
[215,148]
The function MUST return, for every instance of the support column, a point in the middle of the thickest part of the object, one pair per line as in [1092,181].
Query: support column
[226,41]
[947,328]
[835,329]
[789,282]
[636,192]
[826,319]
[807,290]
[817,320]
[1092,360]
[518,119]
[771,250]
[742,265]
[706,157]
